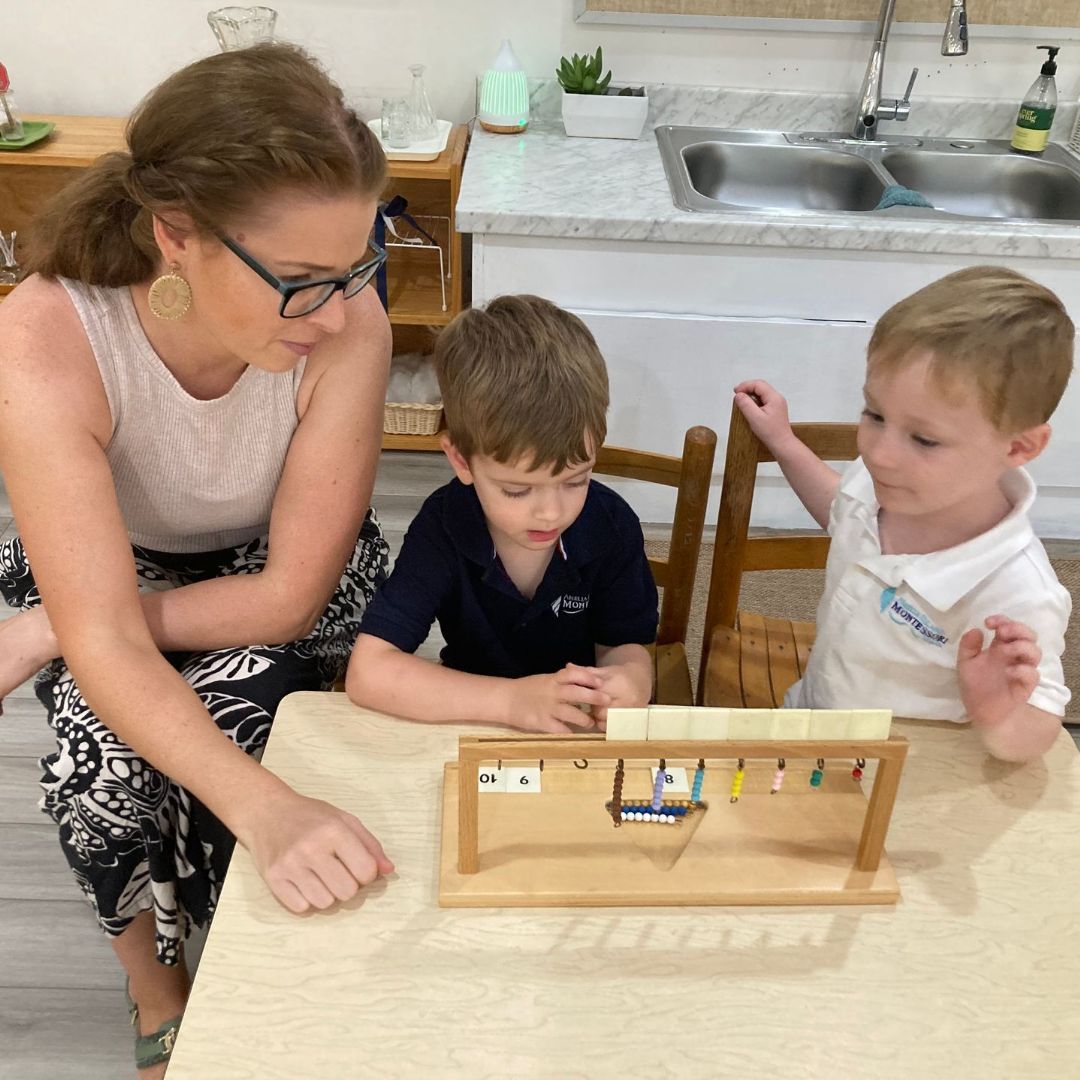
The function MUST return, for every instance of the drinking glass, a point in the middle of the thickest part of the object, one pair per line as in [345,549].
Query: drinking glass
[396,127]
[239,27]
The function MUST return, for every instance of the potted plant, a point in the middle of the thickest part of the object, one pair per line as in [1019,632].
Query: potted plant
[592,107]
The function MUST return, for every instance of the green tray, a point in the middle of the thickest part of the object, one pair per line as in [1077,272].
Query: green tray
[33,131]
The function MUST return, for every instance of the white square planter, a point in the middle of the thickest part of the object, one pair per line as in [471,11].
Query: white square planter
[604,116]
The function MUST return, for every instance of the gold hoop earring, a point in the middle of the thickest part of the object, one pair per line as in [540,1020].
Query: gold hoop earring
[170,295]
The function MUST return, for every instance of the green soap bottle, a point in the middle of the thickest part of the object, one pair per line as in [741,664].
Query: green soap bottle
[1032,131]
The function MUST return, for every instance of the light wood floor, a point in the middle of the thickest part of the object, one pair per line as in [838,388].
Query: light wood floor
[62,1011]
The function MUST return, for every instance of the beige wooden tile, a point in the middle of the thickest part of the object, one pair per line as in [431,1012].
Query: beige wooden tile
[32,866]
[19,791]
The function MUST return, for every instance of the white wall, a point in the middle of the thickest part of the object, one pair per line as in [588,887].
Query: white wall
[69,56]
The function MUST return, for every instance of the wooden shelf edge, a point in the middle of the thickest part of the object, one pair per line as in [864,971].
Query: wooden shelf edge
[412,442]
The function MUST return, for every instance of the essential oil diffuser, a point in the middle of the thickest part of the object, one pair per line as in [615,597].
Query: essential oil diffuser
[504,95]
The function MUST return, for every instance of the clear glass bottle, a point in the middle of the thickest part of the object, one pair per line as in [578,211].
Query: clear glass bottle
[421,115]
[11,127]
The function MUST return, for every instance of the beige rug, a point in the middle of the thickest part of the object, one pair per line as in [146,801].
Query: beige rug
[794,594]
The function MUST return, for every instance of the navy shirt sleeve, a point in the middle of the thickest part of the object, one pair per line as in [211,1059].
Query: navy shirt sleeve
[403,610]
[625,605]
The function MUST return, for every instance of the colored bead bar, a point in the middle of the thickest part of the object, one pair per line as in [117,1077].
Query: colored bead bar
[860,764]
[736,783]
[817,775]
[658,787]
[778,777]
[617,815]
[699,780]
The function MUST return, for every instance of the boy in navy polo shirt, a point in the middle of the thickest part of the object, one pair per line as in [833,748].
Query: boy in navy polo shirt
[536,573]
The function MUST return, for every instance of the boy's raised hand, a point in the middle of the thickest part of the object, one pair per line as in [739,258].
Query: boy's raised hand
[996,680]
[548,703]
[765,410]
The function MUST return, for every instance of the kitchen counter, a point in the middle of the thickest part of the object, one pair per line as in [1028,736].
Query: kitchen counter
[543,184]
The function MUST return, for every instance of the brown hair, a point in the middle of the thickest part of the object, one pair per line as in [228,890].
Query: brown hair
[520,378]
[986,328]
[209,141]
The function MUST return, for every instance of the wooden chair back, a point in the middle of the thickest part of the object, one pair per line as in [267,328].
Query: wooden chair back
[690,475]
[735,550]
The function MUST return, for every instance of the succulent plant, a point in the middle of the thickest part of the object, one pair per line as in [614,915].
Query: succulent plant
[581,75]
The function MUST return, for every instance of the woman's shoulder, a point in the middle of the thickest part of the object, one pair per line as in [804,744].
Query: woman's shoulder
[37,313]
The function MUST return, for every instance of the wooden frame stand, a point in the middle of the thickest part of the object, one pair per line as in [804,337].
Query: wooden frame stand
[806,844]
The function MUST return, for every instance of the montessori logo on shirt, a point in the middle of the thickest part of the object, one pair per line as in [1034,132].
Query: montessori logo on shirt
[569,605]
[906,614]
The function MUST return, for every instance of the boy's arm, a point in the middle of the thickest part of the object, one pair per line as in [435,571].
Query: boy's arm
[996,685]
[382,676]
[811,479]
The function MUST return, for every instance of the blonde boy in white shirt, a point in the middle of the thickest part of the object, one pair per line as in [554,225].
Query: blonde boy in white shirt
[930,535]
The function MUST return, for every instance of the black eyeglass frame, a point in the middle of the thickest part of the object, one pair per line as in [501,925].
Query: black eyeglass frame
[288,289]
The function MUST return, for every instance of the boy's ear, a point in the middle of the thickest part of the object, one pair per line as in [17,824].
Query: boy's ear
[457,460]
[1029,444]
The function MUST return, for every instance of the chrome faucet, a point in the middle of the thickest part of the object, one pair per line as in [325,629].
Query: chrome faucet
[872,107]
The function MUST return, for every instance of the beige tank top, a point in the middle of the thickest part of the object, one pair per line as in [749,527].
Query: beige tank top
[190,475]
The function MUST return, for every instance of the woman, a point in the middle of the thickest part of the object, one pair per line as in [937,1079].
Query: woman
[190,413]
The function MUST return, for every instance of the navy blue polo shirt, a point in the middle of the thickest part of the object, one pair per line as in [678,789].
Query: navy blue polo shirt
[597,590]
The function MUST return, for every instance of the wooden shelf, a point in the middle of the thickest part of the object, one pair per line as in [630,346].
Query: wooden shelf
[76,142]
[412,442]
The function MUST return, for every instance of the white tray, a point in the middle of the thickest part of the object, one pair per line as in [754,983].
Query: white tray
[427,150]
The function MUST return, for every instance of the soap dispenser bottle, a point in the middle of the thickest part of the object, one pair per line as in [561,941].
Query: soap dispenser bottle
[1037,110]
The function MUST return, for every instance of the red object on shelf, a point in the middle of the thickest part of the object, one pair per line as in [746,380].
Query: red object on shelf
[5,82]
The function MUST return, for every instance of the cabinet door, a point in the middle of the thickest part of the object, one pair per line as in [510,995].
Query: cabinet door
[669,372]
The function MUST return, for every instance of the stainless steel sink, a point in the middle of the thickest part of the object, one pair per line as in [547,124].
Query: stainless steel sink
[989,185]
[781,176]
[712,169]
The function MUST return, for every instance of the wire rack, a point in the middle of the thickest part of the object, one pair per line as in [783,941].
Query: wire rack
[426,236]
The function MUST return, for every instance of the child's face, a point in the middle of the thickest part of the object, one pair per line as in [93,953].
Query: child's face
[930,454]
[525,507]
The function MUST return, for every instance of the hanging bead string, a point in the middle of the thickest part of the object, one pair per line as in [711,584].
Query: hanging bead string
[670,813]
[818,773]
[856,773]
[658,787]
[736,783]
[778,776]
[699,779]
[616,795]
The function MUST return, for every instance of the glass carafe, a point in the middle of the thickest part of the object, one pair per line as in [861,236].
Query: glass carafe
[239,27]
[421,116]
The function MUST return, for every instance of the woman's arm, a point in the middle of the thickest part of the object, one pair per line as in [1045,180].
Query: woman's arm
[54,423]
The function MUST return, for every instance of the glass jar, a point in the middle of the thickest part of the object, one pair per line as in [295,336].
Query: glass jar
[421,116]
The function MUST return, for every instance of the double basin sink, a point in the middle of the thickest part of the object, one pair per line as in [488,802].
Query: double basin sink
[711,169]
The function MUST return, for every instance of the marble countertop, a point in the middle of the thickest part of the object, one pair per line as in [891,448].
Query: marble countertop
[543,184]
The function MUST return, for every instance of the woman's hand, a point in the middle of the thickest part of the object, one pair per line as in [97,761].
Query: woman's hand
[766,412]
[27,644]
[312,854]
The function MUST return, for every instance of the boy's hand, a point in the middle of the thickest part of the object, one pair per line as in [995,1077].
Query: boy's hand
[997,680]
[548,703]
[625,686]
[766,412]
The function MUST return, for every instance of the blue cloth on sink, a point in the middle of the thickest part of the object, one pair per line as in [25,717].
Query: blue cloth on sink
[898,195]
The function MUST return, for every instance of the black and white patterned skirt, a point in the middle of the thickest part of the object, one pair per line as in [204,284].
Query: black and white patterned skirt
[135,840]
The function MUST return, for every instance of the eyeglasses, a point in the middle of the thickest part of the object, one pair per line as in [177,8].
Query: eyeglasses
[303,297]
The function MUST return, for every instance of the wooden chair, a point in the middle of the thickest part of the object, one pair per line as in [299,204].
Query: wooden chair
[690,475]
[748,660]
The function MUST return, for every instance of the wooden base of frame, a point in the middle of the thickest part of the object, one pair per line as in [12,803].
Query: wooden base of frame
[559,848]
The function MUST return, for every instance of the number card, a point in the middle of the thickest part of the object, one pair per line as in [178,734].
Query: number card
[492,779]
[523,781]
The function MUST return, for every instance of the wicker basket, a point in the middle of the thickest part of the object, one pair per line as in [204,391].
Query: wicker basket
[405,418]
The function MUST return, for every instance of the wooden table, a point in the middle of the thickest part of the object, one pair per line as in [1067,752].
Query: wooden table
[974,974]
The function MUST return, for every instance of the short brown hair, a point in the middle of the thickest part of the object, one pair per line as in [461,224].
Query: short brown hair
[987,328]
[210,141]
[521,377]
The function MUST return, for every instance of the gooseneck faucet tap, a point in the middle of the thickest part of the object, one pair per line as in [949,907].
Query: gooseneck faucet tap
[871,106]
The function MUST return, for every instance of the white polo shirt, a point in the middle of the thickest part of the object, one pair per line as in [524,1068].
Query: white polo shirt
[888,626]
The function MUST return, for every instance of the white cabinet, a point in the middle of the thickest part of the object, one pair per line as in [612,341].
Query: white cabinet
[680,324]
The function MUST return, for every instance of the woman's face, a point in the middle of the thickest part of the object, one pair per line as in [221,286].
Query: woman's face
[296,237]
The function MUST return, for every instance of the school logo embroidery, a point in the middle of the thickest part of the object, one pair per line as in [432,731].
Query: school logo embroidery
[569,605]
[906,614]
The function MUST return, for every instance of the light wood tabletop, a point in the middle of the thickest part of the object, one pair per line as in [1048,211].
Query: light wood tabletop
[975,973]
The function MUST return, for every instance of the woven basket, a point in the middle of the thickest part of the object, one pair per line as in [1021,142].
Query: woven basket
[404,418]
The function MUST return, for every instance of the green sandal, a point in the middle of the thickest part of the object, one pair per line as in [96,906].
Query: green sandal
[151,1049]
